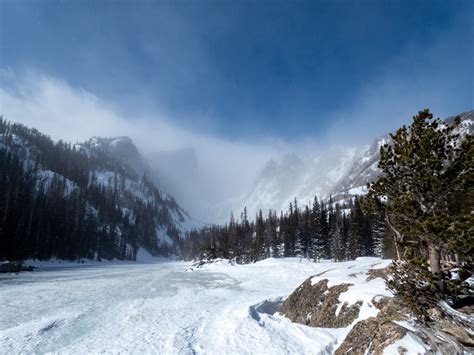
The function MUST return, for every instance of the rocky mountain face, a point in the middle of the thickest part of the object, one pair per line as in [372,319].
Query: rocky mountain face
[162,169]
[120,148]
[340,173]
[295,176]
[167,170]
[361,171]
[364,168]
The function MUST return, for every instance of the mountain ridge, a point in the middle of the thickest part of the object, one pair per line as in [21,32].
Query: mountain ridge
[342,174]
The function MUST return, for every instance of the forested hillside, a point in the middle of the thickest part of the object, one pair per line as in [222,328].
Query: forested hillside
[61,200]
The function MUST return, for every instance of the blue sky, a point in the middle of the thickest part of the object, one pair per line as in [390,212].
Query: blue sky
[245,69]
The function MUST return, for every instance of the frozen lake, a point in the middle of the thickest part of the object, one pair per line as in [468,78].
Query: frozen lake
[162,308]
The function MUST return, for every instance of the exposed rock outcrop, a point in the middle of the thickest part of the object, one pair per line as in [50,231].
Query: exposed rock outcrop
[316,305]
[375,273]
[394,327]
[457,332]
[373,335]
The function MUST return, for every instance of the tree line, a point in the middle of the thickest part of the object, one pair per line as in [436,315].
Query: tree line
[322,230]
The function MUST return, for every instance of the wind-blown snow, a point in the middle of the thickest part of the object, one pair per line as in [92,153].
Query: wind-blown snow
[165,307]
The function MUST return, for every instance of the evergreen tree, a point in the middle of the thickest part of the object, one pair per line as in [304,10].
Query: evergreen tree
[259,244]
[426,169]
[306,240]
[315,226]
[337,234]
[321,242]
[359,239]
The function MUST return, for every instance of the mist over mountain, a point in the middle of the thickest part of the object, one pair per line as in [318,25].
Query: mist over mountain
[121,148]
[364,168]
[296,175]
[178,173]
[339,172]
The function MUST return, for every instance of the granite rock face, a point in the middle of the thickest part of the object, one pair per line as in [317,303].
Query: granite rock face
[316,305]
[373,335]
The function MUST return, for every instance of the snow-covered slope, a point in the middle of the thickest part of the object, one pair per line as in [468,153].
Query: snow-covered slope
[294,176]
[27,154]
[361,171]
[122,149]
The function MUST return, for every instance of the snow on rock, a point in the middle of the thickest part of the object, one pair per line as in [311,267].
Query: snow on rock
[317,305]
[44,178]
[409,343]
[359,190]
[361,290]
[163,236]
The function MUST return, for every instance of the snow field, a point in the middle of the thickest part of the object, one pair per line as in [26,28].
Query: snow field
[167,308]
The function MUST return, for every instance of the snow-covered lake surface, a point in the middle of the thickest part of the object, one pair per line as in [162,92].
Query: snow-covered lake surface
[164,308]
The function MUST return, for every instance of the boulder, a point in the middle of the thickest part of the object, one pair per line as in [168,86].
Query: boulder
[373,335]
[316,305]
[14,266]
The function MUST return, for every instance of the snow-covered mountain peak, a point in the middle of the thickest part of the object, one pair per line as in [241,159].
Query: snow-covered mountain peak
[293,175]
[364,168]
[122,143]
[339,171]
[120,148]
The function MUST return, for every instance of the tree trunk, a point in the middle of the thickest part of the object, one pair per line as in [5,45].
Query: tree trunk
[434,258]
[397,236]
